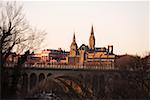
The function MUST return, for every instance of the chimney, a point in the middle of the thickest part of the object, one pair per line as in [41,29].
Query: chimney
[110,49]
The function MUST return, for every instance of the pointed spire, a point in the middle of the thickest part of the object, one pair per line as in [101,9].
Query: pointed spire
[92,30]
[92,39]
[74,38]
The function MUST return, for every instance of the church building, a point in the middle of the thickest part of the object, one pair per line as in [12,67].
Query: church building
[89,54]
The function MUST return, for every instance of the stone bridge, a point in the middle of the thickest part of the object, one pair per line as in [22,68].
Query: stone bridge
[96,75]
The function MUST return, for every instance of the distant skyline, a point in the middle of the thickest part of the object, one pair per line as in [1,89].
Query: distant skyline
[121,24]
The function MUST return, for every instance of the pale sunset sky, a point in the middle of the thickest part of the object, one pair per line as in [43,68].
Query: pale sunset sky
[124,24]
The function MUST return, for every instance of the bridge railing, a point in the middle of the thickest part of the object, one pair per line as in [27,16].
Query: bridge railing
[96,67]
[71,67]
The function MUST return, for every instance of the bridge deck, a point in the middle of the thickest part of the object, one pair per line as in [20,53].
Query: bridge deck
[69,67]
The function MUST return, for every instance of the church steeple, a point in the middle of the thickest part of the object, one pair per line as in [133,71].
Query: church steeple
[74,38]
[92,39]
[73,47]
[92,30]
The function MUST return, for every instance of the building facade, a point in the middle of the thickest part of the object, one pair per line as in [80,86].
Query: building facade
[84,55]
[89,54]
[48,56]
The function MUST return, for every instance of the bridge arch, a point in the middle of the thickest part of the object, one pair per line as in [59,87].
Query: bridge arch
[95,83]
[41,77]
[25,82]
[33,80]
[101,86]
[49,74]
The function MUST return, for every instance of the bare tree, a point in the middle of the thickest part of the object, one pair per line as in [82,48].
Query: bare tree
[16,35]
[15,32]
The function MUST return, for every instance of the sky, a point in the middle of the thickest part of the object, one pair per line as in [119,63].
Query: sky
[125,25]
